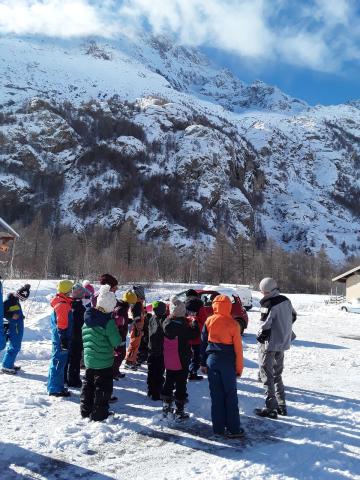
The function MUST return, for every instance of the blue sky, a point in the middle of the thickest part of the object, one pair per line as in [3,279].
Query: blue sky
[308,48]
[313,86]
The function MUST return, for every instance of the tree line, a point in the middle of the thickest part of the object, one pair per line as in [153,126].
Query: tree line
[51,252]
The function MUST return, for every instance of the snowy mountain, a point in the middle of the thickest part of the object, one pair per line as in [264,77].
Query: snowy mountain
[95,132]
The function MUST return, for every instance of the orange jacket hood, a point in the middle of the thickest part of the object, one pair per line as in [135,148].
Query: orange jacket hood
[60,298]
[222,305]
[62,308]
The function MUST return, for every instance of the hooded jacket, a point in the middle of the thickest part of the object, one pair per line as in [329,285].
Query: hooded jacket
[177,333]
[12,307]
[62,315]
[221,334]
[156,332]
[277,317]
[100,337]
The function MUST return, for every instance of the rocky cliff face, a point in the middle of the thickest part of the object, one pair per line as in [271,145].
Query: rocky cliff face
[95,133]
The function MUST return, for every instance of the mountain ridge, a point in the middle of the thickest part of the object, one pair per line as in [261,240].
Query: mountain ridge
[217,151]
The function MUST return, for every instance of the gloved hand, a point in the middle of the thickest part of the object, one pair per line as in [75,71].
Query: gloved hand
[64,343]
[263,336]
[194,323]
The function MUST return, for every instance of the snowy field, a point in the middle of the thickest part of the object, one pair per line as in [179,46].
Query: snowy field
[45,438]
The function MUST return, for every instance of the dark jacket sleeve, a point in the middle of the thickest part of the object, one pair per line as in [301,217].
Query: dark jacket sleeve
[193,331]
[136,312]
[203,347]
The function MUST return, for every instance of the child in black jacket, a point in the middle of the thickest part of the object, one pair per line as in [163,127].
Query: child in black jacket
[156,368]
[177,354]
[72,370]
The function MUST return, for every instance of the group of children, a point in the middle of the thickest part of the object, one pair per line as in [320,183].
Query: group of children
[90,329]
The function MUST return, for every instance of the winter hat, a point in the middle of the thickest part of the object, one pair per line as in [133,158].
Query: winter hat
[86,284]
[107,279]
[177,307]
[268,285]
[139,291]
[24,292]
[106,299]
[78,291]
[64,286]
[191,293]
[130,297]
[159,308]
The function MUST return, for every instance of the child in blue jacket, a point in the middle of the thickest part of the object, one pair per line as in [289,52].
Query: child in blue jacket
[14,328]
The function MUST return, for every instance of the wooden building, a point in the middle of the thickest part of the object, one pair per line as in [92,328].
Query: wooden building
[351,281]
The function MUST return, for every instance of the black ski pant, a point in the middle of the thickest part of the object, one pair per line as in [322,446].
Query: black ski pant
[119,355]
[73,368]
[96,392]
[155,377]
[175,379]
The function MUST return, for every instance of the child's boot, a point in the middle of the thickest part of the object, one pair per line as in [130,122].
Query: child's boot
[167,407]
[180,413]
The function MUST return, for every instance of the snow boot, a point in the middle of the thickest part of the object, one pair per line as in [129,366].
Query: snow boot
[167,408]
[193,376]
[17,367]
[266,412]
[9,371]
[282,410]
[63,393]
[130,366]
[180,413]
[239,434]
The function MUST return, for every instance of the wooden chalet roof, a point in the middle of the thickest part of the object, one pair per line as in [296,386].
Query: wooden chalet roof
[342,278]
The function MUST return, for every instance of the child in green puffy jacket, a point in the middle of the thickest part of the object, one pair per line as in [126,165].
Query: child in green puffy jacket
[100,337]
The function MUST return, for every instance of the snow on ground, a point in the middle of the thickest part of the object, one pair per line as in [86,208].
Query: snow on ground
[45,438]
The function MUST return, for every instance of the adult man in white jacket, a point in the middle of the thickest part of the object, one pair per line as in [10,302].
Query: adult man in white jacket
[274,337]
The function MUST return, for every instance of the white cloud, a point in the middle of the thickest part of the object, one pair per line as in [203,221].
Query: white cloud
[320,35]
[237,25]
[61,18]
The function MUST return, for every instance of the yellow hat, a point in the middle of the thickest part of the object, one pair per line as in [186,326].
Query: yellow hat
[130,297]
[65,286]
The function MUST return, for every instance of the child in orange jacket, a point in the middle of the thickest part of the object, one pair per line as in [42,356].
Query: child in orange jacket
[222,360]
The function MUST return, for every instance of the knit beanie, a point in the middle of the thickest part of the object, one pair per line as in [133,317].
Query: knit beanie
[86,284]
[78,291]
[159,308]
[268,284]
[130,297]
[107,279]
[106,299]
[191,293]
[24,292]
[177,307]
[64,286]
[139,291]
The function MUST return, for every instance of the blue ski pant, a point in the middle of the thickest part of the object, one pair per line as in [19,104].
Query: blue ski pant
[223,393]
[14,336]
[2,336]
[56,375]
[59,359]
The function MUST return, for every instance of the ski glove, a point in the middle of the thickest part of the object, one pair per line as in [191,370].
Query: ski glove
[263,336]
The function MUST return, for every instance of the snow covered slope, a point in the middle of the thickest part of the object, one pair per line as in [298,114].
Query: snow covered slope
[45,438]
[141,128]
